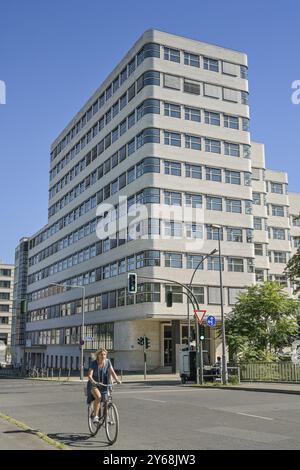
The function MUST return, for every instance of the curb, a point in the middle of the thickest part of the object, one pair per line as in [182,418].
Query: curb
[253,389]
[39,434]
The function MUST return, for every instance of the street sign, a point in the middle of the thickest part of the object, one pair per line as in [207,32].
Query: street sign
[89,338]
[211,321]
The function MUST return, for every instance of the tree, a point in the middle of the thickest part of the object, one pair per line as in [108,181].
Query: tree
[262,322]
[292,269]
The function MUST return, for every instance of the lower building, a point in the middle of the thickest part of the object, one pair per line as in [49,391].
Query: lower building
[6,291]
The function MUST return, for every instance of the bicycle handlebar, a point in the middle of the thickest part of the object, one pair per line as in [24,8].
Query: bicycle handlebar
[107,385]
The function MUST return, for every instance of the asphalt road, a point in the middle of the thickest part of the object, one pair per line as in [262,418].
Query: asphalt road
[157,416]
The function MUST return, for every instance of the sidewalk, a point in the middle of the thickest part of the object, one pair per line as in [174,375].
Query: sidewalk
[14,438]
[174,379]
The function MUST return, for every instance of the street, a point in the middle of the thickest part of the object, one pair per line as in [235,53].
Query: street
[156,416]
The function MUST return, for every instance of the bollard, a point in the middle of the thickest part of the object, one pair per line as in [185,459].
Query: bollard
[51,373]
[47,373]
[59,373]
[239,374]
[69,372]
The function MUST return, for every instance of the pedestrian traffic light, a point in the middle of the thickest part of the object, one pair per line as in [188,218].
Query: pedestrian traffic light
[169,299]
[141,340]
[132,283]
[201,332]
[147,342]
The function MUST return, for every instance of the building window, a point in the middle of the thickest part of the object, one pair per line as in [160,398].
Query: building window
[259,249]
[276,188]
[192,142]
[191,59]
[177,293]
[192,114]
[172,110]
[191,87]
[173,229]
[193,171]
[213,203]
[213,263]
[173,260]
[231,122]
[212,233]
[257,223]
[172,198]
[211,64]
[213,174]
[246,124]
[193,200]
[278,211]
[236,265]
[172,138]
[193,261]
[171,54]
[194,231]
[232,149]
[234,205]
[235,235]
[213,146]
[279,233]
[212,118]
[172,168]
[256,199]
[232,177]
[280,257]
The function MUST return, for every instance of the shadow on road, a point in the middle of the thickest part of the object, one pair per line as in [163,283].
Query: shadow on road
[78,440]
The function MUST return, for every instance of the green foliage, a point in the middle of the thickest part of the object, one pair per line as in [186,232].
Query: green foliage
[262,322]
[292,270]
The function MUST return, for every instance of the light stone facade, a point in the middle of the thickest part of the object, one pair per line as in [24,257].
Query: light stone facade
[186,118]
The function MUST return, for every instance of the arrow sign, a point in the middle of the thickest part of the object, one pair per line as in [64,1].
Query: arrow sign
[211,321]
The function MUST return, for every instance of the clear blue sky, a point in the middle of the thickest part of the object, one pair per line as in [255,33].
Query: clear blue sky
[54,54]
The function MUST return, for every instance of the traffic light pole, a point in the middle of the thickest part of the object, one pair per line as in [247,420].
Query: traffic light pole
[145,358]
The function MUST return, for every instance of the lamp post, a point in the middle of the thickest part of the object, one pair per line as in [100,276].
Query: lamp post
[224,362]
[82,323]
[199,379]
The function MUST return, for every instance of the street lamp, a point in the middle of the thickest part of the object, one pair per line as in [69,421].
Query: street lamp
[198,379]
[82,324]
[224,363]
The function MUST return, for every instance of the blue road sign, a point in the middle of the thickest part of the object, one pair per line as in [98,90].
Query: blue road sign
[211,321]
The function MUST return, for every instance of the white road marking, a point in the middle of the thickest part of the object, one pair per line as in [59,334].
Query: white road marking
[255,416]
[149,399]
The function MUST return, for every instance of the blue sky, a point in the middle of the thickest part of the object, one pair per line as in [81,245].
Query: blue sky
[53,55]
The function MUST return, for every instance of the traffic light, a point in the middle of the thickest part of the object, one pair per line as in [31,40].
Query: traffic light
[23,306]
[169,299]
[147,342]
[201,332]
[132,283]
[141,340]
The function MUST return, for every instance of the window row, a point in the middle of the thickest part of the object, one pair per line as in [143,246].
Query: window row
[208,90]
[102,334]
[207,117]
[149,50]
[207,63]
[150,77]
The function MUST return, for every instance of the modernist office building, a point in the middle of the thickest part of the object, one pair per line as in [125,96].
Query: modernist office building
[169,129]
[6,298]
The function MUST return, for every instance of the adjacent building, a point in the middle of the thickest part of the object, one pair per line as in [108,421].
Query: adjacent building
[164,143]
[6,291]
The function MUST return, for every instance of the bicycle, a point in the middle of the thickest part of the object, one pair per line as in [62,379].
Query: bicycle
[109,417]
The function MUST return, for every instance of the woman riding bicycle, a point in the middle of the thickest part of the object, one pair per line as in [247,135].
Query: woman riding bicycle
[100,371]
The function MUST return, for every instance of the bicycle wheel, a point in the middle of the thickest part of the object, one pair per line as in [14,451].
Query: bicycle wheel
[112,423]
[93,427]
